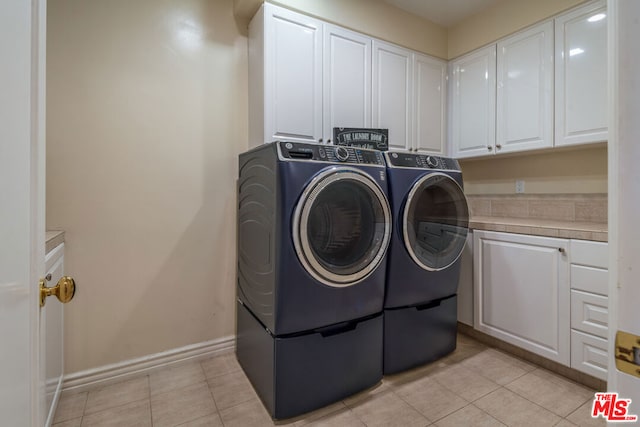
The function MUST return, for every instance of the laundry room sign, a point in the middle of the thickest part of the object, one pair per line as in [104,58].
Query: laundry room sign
[377,139]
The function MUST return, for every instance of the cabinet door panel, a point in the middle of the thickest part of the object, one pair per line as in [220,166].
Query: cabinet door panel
[473,107]
[521,292]
[429,122]
[392,93]
[581,76]
[293,80]
[525,90]
[465,283]
[590,313]
[590,279]
[347,80]
[588,253]
[589,354]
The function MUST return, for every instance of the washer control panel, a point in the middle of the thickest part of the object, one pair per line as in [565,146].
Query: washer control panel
[329,153]
[421,161]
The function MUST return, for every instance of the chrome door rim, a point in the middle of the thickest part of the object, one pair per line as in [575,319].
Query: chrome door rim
[301,218]
[405,215]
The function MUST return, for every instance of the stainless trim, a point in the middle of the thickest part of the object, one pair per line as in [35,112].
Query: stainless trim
[301,218]
[391,166]
[405,215]
[425,169]
[284,159]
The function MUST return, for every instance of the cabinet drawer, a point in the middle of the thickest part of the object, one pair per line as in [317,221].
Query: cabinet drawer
[592,254]
[589,313]
[589,354]
[590,279]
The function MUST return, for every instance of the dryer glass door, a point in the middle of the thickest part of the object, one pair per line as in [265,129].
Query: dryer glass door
[342,226]
[435,221]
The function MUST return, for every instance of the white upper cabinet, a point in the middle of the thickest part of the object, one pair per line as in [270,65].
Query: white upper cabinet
[392,93]
[293,67]
[429,107]
[581,75]
[285,76]
[473,98]
[409,98]
[346,80]
[525,90]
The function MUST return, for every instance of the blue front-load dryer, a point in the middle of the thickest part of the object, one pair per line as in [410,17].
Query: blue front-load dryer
[431,220]
[314,225]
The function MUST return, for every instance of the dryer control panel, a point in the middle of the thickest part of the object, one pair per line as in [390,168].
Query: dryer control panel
[329,153]
[421,161]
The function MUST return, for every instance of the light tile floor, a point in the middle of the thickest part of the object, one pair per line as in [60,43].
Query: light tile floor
[474,386]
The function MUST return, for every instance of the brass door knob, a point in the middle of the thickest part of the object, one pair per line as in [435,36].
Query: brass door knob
[64,290]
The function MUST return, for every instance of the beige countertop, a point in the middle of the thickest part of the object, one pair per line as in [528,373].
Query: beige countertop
[52,239]
[596,231]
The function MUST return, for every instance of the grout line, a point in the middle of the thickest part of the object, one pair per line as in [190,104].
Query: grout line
[391,389]
[418,411]
[150,413]
[129,402]
[465,399]
[537,404]
[254,397]
[179,388]
[150,405]
[84,406]
[488,413]
[215,404]
[540,406]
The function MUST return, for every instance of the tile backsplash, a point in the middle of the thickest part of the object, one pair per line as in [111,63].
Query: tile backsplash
[559,207]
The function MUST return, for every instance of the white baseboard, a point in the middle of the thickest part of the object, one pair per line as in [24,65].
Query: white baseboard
[128,369]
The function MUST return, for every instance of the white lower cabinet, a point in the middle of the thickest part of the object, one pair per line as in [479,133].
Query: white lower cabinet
[465,283]
[521,292]
[589,307]
[546,295]
[590,313]
[589,354]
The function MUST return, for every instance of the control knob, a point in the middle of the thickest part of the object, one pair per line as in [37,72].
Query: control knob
[342,154]
[432,162]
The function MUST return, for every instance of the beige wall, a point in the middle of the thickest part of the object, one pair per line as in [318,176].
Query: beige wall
[503,18]
[562,171]
[378,19]
[146,115]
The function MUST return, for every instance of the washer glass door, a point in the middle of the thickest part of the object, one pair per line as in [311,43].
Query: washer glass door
[342,226]
[435,221]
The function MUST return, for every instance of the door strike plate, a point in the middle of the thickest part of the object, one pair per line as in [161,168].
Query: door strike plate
[628,353]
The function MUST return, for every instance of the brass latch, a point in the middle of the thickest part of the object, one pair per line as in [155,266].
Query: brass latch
[628,353]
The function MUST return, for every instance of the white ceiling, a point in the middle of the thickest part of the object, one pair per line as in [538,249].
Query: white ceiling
[443,12]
